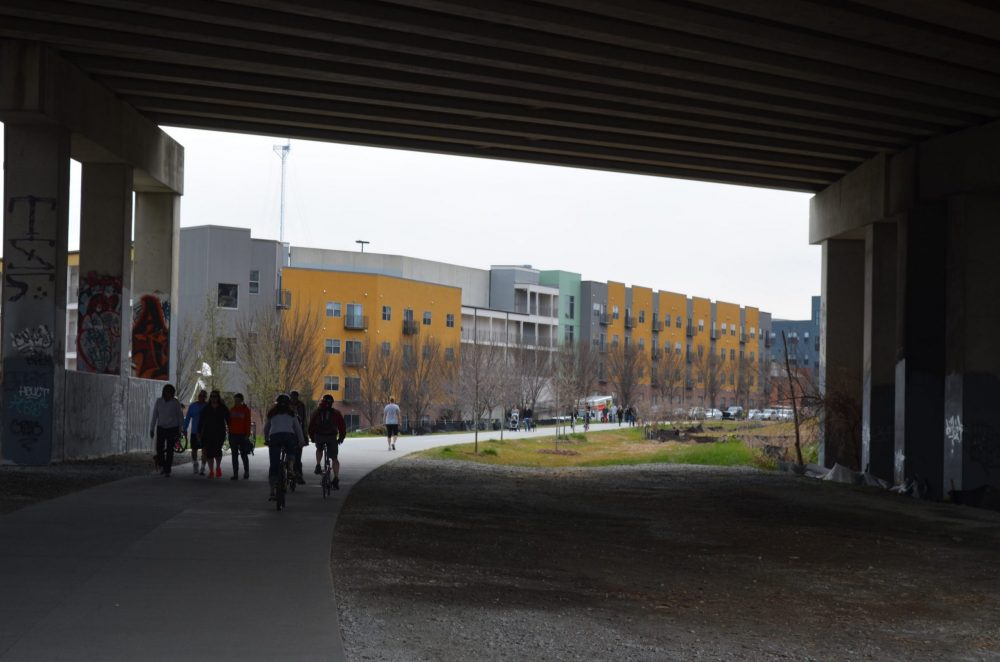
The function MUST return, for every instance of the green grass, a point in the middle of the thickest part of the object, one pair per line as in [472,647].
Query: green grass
[625,446]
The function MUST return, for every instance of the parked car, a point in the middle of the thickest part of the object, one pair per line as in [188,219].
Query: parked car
[696,413]
[753,415]
[733,413]
[767,415]
[713,414]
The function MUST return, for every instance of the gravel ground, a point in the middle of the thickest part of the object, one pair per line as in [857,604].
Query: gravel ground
[454,561]
[23,486]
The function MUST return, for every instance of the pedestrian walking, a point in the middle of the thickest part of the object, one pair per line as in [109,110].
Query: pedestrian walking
[390,416]
[621,414]
[212,429]
[165,427]
[328,430]
[193,417]
[239,436]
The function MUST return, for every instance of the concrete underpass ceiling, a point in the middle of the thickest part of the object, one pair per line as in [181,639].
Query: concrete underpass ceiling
[789,94]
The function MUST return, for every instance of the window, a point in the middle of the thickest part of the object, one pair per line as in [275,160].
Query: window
[449,320]
[752,332]
[642,343]
[425,352]
[572,307]
[227,349]
[352,352]
[701,325]
[254,281]
[449,353]
[751,356]
[805,361]
[666,320]
[408,354]
[732,329]
[642,317]
[722,353]
[614,312]
[332,309]
[723,328]
[332,346]
[386,348]
[408,314]
[427,318]
[680,321]
[677,349]
[386,313]
[331,383]
[701,350]
[568,334]
[732,355]
[628,341]
[229,295]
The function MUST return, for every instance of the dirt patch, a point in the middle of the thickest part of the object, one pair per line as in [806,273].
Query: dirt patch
[550,451]
[447,561]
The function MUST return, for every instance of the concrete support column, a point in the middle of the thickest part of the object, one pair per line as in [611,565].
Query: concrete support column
[972,362]
[842,351]
[919,426]
[35,226]
[878,396]
[155,284]
[105,317]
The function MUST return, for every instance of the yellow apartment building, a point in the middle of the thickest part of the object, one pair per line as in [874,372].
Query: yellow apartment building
[362,312]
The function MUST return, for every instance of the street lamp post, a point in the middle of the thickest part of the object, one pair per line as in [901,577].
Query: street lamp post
[362,242]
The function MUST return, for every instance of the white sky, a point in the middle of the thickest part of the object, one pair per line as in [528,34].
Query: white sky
[728,243]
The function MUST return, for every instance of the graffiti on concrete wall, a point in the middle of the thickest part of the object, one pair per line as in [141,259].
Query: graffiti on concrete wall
[98,338]
[151,337]
[33,343]
[30,269]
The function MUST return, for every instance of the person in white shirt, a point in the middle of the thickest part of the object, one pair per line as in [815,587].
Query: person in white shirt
[165,427]
[391,419]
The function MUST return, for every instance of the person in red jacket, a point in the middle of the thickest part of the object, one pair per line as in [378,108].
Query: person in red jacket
[327,430]
[239,436]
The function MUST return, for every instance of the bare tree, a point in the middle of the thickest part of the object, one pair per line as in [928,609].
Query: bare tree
[424,376]
[478,381]
[626,365]
[668,375]
[379,373]
[532,372]
[745,370]
[276,352]
[189,341]
[708,369]
[214,347]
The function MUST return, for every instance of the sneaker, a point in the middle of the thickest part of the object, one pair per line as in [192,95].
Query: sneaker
[202,472]
[318,470]
[218,472]
[336,483]
[194,467]
[394,447]
[246,474]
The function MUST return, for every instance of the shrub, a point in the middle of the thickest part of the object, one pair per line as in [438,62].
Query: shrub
[490,451]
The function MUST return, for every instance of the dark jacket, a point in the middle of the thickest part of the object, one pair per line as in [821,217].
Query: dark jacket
[327,421]
[213,424]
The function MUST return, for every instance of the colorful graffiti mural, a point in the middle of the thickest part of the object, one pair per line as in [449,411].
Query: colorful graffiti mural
[151,337]
[98,338]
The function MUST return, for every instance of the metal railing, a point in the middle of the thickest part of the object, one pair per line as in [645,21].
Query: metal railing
[411,327]
[357,322]
[354,359]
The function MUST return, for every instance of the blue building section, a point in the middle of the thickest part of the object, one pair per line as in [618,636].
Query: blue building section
[803,340]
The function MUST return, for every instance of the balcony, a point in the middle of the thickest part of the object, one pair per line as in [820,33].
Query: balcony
[690,330]
[655,326]
[352,394]
[629,322]
[714,335]
[768,342]
[411,327]
[605,319]
[354,359]
[743,338]
[600,346]
[356,322]
[656,355]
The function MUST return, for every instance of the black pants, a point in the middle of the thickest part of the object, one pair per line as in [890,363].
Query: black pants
[298,460]
[165,439]
[239,446]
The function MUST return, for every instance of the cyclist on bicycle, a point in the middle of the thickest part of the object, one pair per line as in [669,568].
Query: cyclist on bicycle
[327,430]
[281,431]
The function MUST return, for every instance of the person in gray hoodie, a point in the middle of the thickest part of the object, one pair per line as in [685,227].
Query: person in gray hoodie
[165,427]
[281,431]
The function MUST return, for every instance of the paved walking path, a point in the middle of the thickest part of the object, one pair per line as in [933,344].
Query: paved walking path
[187,567]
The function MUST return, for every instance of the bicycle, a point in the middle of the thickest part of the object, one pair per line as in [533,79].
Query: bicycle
[284,480]
[328,478]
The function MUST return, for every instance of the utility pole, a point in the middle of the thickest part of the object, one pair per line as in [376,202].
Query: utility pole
[282,152]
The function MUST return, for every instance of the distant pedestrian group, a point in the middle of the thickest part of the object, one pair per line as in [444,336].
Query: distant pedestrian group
[209,423]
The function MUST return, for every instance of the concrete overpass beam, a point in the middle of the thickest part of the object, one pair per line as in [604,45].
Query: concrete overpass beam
[35,227]
[919,424]
[879,373]
[972,361]
[842,351]
[105,316]
[155,285]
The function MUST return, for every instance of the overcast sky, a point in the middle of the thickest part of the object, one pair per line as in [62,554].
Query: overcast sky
[728,243]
